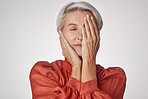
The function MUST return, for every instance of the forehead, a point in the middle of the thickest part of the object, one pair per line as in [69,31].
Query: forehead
[76,16]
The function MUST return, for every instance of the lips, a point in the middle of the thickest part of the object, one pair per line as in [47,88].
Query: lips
[77,44]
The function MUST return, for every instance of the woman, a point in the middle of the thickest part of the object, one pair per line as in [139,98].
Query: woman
[78,76]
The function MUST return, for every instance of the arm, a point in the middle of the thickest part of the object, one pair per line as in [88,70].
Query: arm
[71,56]
[112,87]
[45,83]
[113,82]
[89,87]
[90,46]
[85,88]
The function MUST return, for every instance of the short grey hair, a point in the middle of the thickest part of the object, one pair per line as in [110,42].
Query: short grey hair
[78,6]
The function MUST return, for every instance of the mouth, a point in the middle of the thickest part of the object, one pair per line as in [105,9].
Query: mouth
[78,45]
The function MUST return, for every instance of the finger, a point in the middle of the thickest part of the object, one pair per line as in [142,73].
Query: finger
[83,32]
[63,46]
[87,28]
[93,34]
[70,53]
[65,50]
[64,43]
[96,29]
[68,47]
[63,39]
[61,42]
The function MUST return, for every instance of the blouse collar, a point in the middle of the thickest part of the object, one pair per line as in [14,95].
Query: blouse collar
[68,66]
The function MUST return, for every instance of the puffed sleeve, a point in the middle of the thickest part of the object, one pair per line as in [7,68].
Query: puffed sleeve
[45,84]
[110,85]
[90,90]
[113,82]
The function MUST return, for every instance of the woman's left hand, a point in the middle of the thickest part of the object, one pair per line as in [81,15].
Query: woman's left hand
[90,46]
[91,38]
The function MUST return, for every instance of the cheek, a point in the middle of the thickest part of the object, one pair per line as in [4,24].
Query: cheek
[70,38]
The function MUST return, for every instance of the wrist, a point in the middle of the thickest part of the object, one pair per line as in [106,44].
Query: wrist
[89,62]
[76,72]
[88,58]
[88,70]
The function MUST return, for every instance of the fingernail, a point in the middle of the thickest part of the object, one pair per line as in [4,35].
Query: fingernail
[82,24]
[88,16]
[85,18]
[61,34]
[91,18]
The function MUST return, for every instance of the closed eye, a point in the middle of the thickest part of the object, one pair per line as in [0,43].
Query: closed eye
[73,29]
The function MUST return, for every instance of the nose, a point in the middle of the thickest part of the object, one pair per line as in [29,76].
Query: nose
[79,37]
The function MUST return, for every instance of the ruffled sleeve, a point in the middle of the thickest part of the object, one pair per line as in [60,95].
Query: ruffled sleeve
[45,84]
[110,85]
[90,90]
[113,82]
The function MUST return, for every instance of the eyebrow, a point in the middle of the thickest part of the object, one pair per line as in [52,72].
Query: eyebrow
[72,24]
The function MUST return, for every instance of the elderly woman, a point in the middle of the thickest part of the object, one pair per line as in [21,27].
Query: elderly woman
[78,76]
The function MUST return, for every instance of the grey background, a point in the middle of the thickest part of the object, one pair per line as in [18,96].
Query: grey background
[28,34]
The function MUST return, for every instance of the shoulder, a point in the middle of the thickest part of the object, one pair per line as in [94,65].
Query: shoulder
[118,71]
[45,68]
[112,81]
[46,64]
[111,72]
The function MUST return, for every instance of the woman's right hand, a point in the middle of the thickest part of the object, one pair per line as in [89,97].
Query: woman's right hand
[69,52]
[72,58]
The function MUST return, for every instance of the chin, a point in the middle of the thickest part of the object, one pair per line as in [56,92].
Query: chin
[79,53]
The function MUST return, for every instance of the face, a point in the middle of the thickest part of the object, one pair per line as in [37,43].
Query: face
[72,30]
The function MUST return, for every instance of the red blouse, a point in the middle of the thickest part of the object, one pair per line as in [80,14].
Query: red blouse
[54,81]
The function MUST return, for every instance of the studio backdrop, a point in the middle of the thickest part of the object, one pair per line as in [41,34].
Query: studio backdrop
[28,34]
